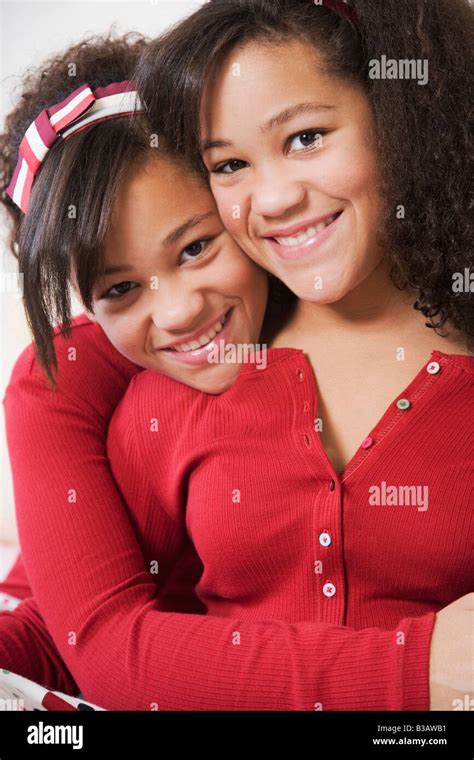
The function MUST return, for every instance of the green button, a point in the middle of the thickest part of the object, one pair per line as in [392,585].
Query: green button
[403,403]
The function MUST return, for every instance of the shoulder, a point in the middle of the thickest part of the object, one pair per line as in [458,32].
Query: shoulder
[151,393]
[155,403]
[161,386]
[90,370]
[462,364]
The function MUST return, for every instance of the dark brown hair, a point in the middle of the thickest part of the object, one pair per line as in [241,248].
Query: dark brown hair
[84,172]
[423,133]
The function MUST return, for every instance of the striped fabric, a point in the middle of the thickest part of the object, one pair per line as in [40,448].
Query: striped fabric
[20,694]
[80,109]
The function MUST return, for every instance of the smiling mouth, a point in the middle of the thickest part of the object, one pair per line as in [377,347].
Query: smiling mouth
[306,235]
[203,339]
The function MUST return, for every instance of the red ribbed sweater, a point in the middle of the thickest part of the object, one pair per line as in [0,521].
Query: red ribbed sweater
[315,598]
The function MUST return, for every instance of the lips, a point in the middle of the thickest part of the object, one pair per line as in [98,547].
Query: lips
[291,241]
[302,240]
[295,229]
[199,338]
[200,356]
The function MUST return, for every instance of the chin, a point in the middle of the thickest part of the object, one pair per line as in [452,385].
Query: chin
[216,385]
[308,293]
[331,293]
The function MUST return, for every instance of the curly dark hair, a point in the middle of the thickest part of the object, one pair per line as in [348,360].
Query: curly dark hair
[85,170]
[424,133]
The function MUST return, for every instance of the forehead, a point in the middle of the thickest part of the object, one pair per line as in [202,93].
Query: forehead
[160,186]
[255,77]
[262,87]
[250,63]
[155,197]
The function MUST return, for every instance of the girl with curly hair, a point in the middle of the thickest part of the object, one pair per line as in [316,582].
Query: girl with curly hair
[294,572]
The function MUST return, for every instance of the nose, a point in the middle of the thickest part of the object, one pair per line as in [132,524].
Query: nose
[275,192]
[174,310]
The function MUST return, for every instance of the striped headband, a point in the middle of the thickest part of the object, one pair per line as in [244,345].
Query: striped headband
[341,7]
[75,113]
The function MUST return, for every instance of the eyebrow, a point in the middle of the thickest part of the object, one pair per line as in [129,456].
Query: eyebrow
[116,269]
[173,237]
[177,233]
[275,121]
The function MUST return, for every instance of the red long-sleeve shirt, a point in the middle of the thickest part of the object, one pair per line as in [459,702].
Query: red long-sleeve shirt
[244,493]
[26,646]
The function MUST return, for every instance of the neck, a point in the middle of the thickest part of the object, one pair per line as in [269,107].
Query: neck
[374,306]
[374,314]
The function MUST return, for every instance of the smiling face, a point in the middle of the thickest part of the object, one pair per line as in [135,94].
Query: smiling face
[292,149]
[184,284]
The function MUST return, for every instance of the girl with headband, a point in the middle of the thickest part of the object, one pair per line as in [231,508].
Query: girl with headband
[66,155]
[317,651]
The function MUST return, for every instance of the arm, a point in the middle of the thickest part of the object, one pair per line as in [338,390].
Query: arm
[103,608]
[26,647]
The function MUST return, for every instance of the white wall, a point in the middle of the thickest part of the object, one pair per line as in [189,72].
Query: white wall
[30,32]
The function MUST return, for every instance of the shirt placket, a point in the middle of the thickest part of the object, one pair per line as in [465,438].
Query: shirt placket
[327,504]
[328,575]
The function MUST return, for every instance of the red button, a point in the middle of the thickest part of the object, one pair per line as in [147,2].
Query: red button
[367,443]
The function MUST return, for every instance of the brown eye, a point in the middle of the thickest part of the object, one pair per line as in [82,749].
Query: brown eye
[230,167]
[121,287]
[195,250]
[306,139]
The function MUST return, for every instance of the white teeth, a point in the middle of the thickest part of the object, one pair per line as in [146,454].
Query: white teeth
[306,235]
[206,338]
[203,339]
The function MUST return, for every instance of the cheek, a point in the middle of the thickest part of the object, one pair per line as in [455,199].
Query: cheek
[237,275]
[231,206]
[341,175]
[351,177]
[357,172]
[121,331]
